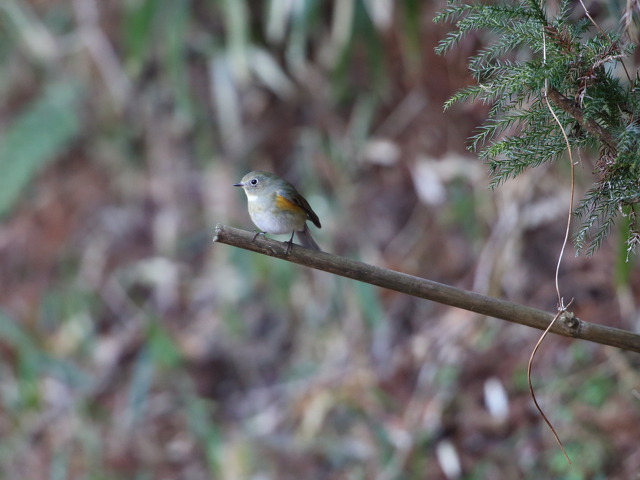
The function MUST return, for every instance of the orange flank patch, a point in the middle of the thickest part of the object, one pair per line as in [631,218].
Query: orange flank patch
[283,203]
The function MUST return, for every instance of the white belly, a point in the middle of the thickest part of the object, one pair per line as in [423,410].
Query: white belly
[277,224]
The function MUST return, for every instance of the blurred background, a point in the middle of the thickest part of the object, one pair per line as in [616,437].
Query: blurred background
[132,347]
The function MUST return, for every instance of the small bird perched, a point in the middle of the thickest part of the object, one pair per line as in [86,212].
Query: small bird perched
[276,207]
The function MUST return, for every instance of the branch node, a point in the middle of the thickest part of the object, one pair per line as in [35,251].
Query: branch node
[570,322]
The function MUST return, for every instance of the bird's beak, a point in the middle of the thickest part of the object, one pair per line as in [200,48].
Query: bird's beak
[240,184]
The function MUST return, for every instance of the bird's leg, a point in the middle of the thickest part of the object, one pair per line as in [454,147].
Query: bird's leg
[289,243]
[256,235]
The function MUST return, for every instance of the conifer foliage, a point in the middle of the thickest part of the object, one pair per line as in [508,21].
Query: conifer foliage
[580,68]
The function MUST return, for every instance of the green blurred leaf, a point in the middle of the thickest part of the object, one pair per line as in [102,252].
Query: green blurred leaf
[210,438]
[141,382]
[13,334]
[367,296]
[598,390]
[162,348]
[176,56]
[625,263]
[42,132]
[138,25]
[237,23]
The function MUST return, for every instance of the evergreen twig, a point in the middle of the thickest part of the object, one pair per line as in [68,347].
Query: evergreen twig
[601,109]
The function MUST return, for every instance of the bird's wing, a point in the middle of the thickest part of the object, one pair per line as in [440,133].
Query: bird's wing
[302,203]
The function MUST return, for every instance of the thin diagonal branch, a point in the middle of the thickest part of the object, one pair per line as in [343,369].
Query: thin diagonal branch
[576,112]
[568,325]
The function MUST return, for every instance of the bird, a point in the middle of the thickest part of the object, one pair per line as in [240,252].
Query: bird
[276,207]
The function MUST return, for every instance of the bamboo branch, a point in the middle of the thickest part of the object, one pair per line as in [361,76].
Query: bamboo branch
[568,326]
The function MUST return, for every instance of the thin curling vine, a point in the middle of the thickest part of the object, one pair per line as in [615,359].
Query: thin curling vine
[582,68]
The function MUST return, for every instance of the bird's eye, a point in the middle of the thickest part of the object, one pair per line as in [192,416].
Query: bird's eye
[254,181]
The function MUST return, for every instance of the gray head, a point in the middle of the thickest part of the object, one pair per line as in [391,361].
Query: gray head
[257,181]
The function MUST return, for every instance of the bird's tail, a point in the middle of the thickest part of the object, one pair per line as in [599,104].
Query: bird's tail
[306,240]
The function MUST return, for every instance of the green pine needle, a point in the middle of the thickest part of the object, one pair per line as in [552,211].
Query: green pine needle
[520,132]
